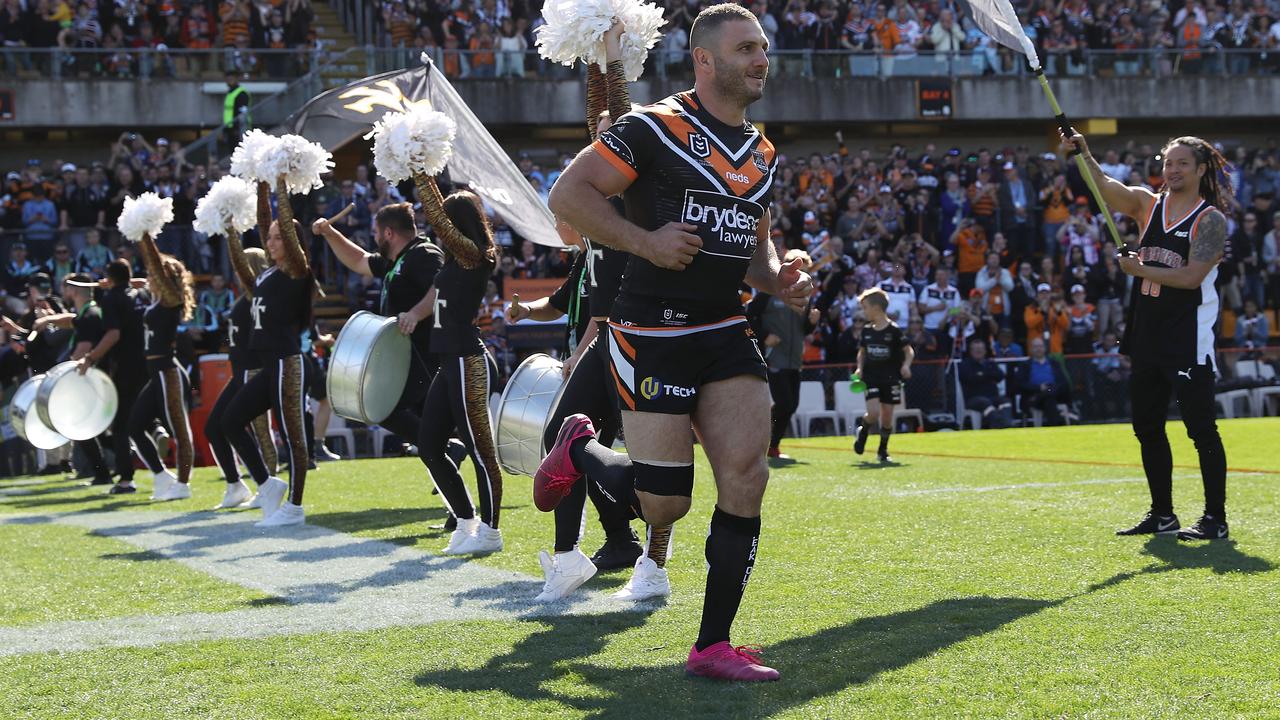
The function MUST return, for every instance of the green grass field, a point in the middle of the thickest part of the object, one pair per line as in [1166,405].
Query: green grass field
[979,577]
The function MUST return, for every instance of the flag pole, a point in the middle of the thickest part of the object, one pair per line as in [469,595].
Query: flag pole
[1065,126]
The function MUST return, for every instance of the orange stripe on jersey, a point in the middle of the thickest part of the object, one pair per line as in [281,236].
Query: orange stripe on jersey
[618,163]
[1142,230]
[623,393]
[624,345]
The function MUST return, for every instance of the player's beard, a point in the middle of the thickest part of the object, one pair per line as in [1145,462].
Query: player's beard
[731,83]
[384,247]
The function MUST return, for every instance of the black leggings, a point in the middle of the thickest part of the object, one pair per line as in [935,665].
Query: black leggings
[589,390]
[458,404]
[406,422]
[223,453]
[784,386]
[281,385]
[164,397]
[128,384]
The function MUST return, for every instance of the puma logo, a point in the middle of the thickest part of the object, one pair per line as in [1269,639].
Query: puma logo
[1185,373]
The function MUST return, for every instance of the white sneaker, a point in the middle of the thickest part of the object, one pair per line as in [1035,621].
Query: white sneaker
[270,494]
[162,481]
[324,454]
[461,536]
[236,495]
[176,491]
[647,581]
[481,541]
[564,573]
[286,514]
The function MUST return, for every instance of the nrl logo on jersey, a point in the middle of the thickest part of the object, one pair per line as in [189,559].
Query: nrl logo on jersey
[699,145]
[757,157]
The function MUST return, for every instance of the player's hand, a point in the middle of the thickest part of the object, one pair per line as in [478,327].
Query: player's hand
[795,284]
[1130,264]
[814,316]
[320,227]
[515,311]
[570,363]
[407,322]
[772,340]
[1075,141]
[83,365]
[905,372]
[673,246]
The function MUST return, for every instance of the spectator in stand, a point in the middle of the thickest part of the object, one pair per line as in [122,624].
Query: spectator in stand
[16,274]
[1059,46]
[1056,199]
[1017,200]
[980,379]
[856,37]
[954,204]
[94,257]
[1252,329]
[1247,242]
[511,49]
[1109,379]
[947,36]
[996,284]
[872,270]
[39,218]
[824,40]
[970,242]
[482,45]
[1005,346]
[1082,327]
[59,266]
[901,294]
[1042,383]
[936,304]
[1107,286]
[1047,319]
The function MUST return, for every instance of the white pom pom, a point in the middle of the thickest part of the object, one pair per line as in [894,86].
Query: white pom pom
[146,214]
[575,31]
[258,158]
[230,204]
[404,143]
[305,162]
[642,24]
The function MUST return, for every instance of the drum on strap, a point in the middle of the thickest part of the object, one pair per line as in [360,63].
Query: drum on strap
[368,368]
[26,421]
[78,407]
[527,402]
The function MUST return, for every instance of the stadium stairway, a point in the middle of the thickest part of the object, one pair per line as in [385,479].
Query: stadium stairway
[332,310]
[337,41]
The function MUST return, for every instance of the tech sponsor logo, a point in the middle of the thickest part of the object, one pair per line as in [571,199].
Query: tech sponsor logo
[652,387]
[727,224]
[620,148]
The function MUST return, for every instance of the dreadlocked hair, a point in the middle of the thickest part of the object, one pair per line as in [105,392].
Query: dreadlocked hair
[467,214]
[180,276]
[1215,186]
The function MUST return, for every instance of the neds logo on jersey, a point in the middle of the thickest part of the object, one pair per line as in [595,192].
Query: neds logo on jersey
[727,224]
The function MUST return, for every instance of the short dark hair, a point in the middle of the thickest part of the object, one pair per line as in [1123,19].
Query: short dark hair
[397,217]
[119,272]
[707,24]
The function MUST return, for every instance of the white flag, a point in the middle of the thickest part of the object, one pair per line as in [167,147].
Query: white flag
[997,19]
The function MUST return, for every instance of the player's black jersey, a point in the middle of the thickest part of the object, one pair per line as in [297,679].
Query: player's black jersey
[459,292]
[280,311]
[686,166]
[405,281]
[884,354]
[161,333]
[605,267]
[239,324]
[122,309]
[1171,327]
[572,298]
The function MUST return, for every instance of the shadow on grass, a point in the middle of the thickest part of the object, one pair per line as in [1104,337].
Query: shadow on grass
[877,465]
[553,663]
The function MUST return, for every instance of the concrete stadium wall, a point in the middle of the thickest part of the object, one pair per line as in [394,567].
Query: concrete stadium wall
[161,103]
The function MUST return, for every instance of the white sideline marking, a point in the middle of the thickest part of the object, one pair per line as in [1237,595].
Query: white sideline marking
[1028,486]
[332,582]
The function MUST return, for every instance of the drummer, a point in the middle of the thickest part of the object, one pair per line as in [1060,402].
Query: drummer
[408,264]
[87,330]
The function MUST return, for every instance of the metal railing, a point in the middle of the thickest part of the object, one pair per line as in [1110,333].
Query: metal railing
[147,64]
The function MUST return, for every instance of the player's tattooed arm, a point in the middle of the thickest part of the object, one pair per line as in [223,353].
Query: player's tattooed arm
[1210,238]
[1208,241]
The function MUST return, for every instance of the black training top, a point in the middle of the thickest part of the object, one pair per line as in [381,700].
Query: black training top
[280,311]
[405,281]
[88,326]
[687,166]
[459,292]
[239,322]
[885,352]
[122,309]
[605,267]
[1171,327]
[161,330]
[573,298]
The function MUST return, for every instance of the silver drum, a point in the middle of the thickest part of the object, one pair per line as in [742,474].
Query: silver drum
[527,402]
[369,368]
[26,421]
[78,407]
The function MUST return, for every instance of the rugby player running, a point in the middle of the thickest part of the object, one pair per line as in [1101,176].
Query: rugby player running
[696,179]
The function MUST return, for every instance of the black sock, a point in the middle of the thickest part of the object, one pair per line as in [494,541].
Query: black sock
[568,517]
[731,554]
[615,520]
[1213,470]
[1157,462]
[884,440]
[611,471]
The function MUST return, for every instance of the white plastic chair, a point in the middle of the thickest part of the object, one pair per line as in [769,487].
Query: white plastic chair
[813,406]
[338,428]
[1263,395]
[850,406]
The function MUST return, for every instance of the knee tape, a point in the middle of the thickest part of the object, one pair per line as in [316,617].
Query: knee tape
[664,479]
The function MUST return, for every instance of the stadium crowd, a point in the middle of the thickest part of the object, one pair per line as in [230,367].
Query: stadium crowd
[145,38]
